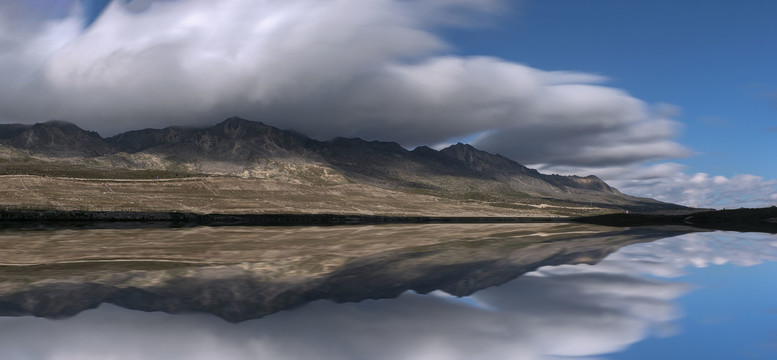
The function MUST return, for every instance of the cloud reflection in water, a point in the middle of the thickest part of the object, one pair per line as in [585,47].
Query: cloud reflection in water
[570,310]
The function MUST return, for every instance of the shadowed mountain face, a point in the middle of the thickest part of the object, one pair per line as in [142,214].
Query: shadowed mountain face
[485,162]
[57,138]
[234,140]
[500,165]
[241,147]
[247,273]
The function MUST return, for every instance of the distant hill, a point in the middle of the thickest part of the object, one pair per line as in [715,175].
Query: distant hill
[56,138]
[239,147]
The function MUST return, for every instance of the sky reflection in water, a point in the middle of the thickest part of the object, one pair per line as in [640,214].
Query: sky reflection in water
[693,296]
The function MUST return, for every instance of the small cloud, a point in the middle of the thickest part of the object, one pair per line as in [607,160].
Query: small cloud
[664,110]
[762,91]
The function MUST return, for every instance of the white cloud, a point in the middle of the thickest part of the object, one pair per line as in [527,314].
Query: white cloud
[671,183]
[526,320]
[374,69]
[668,258]
[703,190]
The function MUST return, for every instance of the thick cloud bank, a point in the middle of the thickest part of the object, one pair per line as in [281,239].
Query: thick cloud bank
[374,69]
[571,310]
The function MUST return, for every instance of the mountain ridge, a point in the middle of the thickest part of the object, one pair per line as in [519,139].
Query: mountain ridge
[240,147]
[55,137]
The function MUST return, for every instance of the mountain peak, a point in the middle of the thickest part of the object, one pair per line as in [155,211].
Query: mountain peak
[60,126]
[58,123]
[423,149]
[233,139]
[390,146]
[235,123]
[56,137]
[460,147]
[235,120]
[482,160]
[236,127]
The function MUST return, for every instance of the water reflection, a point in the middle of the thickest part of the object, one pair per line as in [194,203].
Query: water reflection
[242,273]
[569,310]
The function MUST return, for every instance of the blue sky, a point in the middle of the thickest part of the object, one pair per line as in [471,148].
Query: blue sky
[673,100]
[713,59]
[93,9]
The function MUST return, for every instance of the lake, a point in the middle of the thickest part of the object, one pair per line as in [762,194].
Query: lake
[434,291]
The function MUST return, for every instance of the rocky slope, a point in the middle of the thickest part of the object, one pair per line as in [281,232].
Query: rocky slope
[55,138]
[238,147]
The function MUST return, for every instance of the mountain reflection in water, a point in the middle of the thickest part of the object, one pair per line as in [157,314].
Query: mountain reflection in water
[243,273]
[568,310]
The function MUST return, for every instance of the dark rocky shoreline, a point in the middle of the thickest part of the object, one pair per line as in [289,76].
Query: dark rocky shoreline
[131,219]
[744,220]
[760,220]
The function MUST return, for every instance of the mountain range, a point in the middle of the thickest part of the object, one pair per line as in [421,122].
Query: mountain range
[250,149]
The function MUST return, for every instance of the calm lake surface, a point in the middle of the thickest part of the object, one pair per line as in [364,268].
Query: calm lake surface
[697,295]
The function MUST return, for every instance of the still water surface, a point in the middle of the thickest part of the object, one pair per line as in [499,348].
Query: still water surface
[706,295]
